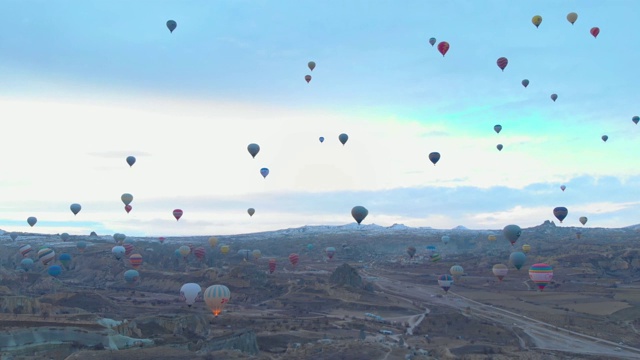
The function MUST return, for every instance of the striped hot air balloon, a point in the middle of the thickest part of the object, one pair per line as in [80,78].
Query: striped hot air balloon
[135,260]
[445,281]
[500,271]
[272,265]
[216,297]
[293,259]
[25,249]
[46,256]
[128,249]
[541,274]
[199,253]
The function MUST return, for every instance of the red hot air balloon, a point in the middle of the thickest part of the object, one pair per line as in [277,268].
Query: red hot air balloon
[128,249]
[200,253]
[307,78]
[161,239]
[128,208]
[272,265]
[177,213]
[293,259]
[595,31]
[502,63]
[443,47]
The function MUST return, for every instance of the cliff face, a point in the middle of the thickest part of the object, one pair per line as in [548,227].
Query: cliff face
[346,275]
[244,341]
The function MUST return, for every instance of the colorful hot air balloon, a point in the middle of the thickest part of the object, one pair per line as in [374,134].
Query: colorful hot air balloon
[512,233]
[604,138]
[131,276]
[572,17]
[435,257]
[199,253]
[525,83]
[25,249]
[430,250]
[253,149]
[307,78]
[118,251]
[251,211]
[595,31]
[541,274]
[65,259]
[536,20]
[343,138]
[500,271]
[560,213]
[499,147]
[502,63]
[411,251]
[75,208]
[434,157]
[321,138]
[517,259]
[456,271]
[257,254]
[135,260]
[526,248]
[120,238]
[184,250]
[128,249]
[293,259]
[190,292]
[224,249]
[445,239]
[359,213]
[635,119]
[177,213]
[443,47]
[583,220]
[563,188]
[492,237]
[216,297]
[46,256]
[497,128]
[330,251]
[554,97]
[272,265]
[32,220]
[445,281]
[171,25]
[432,41]
[311,65]
[264,172]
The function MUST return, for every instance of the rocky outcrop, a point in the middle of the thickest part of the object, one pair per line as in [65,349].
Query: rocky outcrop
[244,341]
[345,275]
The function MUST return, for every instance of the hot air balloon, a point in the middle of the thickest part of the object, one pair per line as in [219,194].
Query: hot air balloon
[512,233]
[128,249]
[216,297]
[635,119]
[13,236]
[64,236]
[497,128]
[445,281]
[430,250]
[583,220]
[184,250]
[161,239]
[330,251]
[118,251]
[26,264]
[293,259]
[563,188]
[411,251]
[199,253]
[213,241]
[135,260]
[359,213]
[251,211]
[131,160]
[517,259]
[311,65]
[525,83]
[502,63]
[46,256]
[536,20]
[25,249]
[131,276]
[604,138]
[432,41]
[32,220]
[499,147]
[560,213]
[75,208]
[190,292]
[128,208]
[177,213]
[492,237]
[443,47]
[307,78]
[435,257]
[500,271]
[321,138]
[434,157]
[126,198]
[541,274]
[81,245]
[253,149]
[272,265]
[55,270]
[554,97]
[309,247]
[595,31]
[578,234]
[572,17]
[171,25]
[264,172]
[224,249]
[343,138]
[257,254]
[445,239]
[65,259]
[526,248]
[120,238]
[456,271]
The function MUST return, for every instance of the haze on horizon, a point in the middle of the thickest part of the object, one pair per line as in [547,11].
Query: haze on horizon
[86,85]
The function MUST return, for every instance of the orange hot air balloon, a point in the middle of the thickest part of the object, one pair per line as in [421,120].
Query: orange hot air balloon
[595,31]
[443,47]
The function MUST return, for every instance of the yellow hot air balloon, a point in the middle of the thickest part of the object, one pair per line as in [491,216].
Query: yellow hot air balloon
[572,17]
[526,248]
[224,249]
[492,238]
[257,254]
[536,20]
[184,250]
[216,297]
[213,241]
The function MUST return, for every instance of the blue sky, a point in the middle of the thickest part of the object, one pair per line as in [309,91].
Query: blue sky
[84,84]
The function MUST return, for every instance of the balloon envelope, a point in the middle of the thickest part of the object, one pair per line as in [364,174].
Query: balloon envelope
[126,198]
[253,149]
[307,78]
[75,208]
[343,138]
[635,119]
[497,128]
[560,213]
[321,138]
[541,274]
[434,157]
[554,97]
[583,220]
[500,271]
[171,25]
[432,41]
[55,270]
[359,213]
[512,233]
[190,292]
[445,281]
[32,220]
[604,138]
[536,20]
[502,63]
[499,147]
[595,31]
[177,213]
[572,17]
[525,82]
[311,65]
[443,48]
[251,211]
[131,276]
[216,297]
[131,160]
[264,172]
[517,259]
